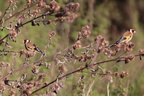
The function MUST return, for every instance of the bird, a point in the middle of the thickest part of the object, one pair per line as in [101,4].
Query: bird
[31,47]
[126,37]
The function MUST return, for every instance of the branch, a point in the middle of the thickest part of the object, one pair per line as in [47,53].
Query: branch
[16,14]
[12,17]
[59,78]
[25,66]
[78,70]
[5,12]
[4,38]
[21,25]
[34,19]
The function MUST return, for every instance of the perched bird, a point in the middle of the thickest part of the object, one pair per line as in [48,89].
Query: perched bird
[126,37]
[31,47]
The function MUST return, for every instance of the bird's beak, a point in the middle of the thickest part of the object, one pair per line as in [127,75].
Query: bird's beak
[134,31]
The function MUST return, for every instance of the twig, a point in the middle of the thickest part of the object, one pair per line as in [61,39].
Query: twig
[25,22]
[34,19]
[17,13]
[90,88]
[4,38]
[12,17]
[5,11]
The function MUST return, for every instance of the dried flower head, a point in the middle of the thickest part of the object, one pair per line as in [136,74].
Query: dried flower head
[113,53]
[12,34]
[128,47]
[129,58]
[36,11]
[53,33]
[100,49]
[54,6]
[101,41]
[89,57]
[63,69]
[108,72]
[107,51]
[55,87]
[41,4]
[12,93]
[141,52]
[82,58]
[131,45]
[2,64]
[29,2]
[118,47]
[72,7]
[70,17]
[35,70]
[85,31]
[41,76]
[116,74]
[77,45]
[124,74]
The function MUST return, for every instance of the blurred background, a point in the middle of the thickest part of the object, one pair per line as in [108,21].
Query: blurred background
[109,18]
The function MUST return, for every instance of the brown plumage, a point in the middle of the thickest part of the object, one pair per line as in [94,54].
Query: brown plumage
[31,47]
[126,37]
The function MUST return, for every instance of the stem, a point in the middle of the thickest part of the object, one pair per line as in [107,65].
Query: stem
[108,91]
[90,88]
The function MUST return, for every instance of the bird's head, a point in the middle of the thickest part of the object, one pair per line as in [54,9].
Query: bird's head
[26,40]
[132,31]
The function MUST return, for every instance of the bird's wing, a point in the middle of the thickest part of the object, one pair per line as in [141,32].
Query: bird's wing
[127,34]
[121,40]
[36,48]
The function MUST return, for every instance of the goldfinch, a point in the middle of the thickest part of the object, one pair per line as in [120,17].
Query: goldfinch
[31,47]
[126,37]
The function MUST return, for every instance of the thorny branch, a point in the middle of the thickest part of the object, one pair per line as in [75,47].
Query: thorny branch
[78,70]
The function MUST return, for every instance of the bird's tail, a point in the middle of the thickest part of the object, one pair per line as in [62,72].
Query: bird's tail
[119,41]
[112,45]
[42,53]
[38,50]
[115,43]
